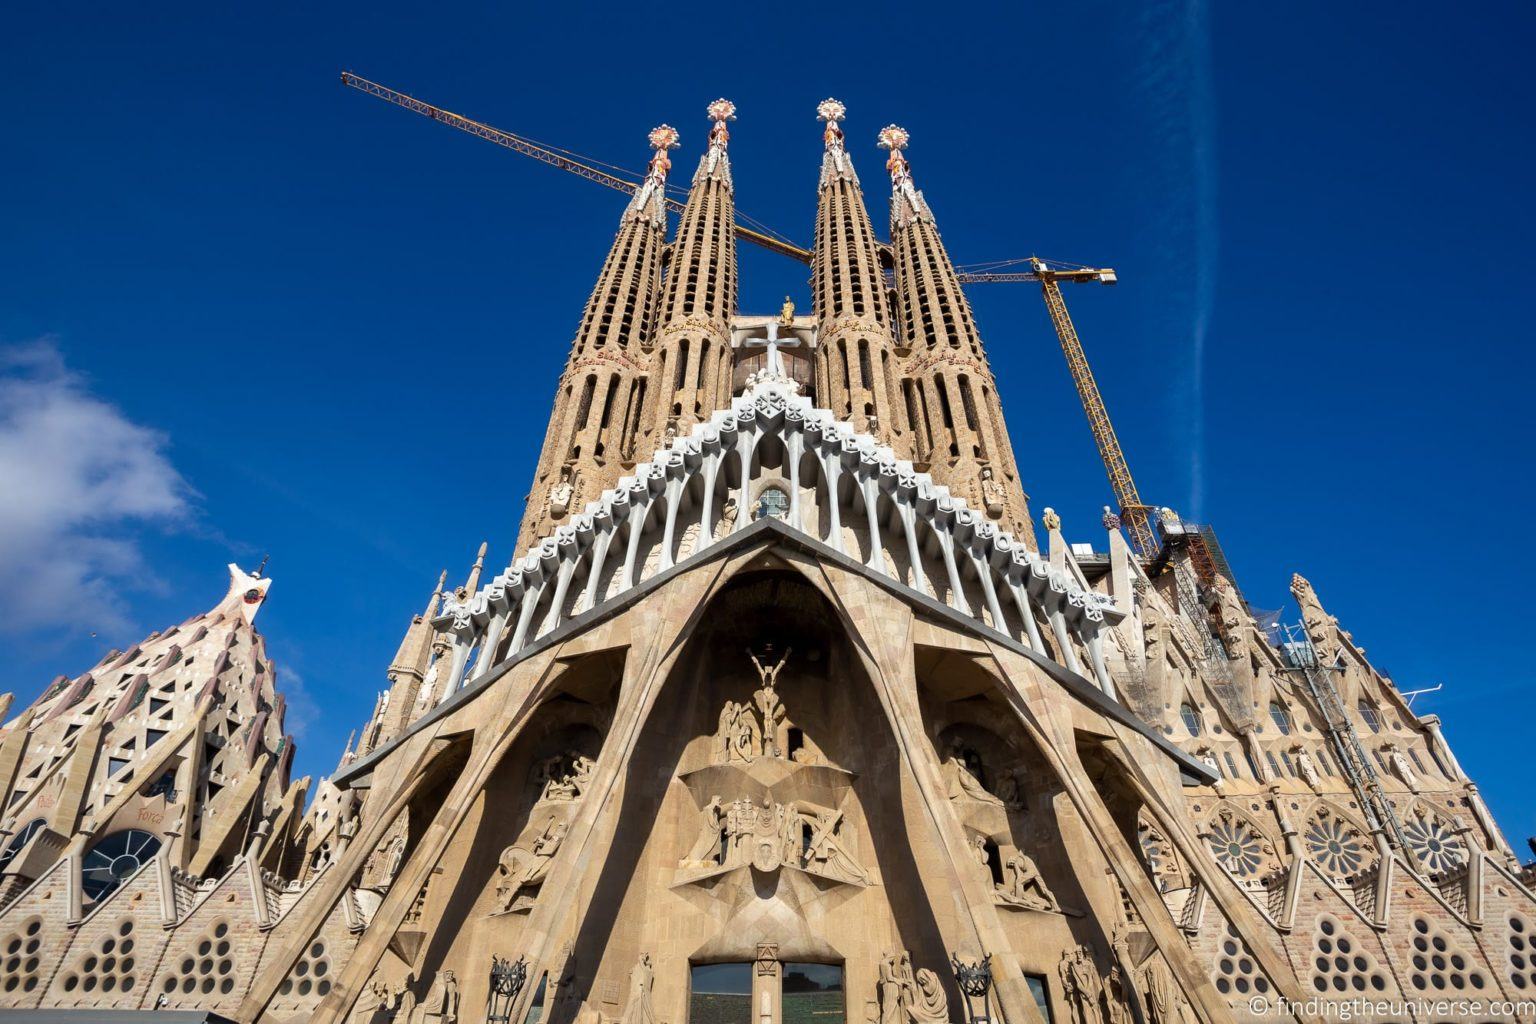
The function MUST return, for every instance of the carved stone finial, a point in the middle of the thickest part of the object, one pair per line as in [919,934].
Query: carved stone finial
[895,138]
[663,136]
[1111,520]
[720,111]
[1051,520]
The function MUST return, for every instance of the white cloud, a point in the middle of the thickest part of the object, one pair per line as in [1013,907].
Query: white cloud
[301,712]
[77,479]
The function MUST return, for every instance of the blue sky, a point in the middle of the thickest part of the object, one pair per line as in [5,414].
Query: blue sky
[245,310]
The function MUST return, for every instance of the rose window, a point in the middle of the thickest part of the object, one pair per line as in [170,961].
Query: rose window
[1434,844]
[1237,846]
[1335,845]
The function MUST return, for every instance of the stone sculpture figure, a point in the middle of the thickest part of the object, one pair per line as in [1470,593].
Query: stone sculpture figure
[560,495]
[1307,768]
[993,497]
[905,998]
[707,849]
[826,853]
[1165,1003]
[639,1009]
[978,847]
[441,1003]
[746,740]
[929,1003]
[1011,791]
[960,780]
[1234,620]
[1023,886]
[1117,997]
[1082,986]
[890,991]
[767,700]
[381,996]
[565,776]
[523,869]
[1401,767]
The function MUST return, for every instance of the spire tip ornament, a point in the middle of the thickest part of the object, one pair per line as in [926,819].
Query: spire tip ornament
[720,111]
[831,110]
[895,138]
[663,136]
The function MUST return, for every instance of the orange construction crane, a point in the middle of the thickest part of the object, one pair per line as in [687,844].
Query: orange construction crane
[1049,275]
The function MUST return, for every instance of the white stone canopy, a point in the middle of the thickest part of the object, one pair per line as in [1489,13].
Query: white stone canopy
[837,486]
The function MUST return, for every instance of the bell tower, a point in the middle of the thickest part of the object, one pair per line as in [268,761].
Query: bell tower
[958,431]
[690,361]
[593,430]
[856,375]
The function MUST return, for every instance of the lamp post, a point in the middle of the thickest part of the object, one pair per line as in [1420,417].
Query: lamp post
[975,980]
[507,980]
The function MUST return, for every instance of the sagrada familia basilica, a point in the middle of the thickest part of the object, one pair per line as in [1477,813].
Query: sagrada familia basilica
[783,714]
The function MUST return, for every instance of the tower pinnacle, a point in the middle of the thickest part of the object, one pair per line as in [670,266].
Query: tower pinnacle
[907,203]
[650,198]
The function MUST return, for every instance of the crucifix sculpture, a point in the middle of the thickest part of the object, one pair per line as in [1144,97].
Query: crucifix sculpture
[775,366]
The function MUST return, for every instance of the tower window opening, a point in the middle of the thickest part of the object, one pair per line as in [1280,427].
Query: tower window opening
[948,416]
[681,371]
[584,408]
[866,377]
[1280,717]
[1369,716]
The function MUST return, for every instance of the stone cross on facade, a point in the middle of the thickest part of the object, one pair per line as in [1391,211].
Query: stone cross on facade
[773,343]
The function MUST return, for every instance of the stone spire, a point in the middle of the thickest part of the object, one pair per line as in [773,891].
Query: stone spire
[592,432]
[690,362]
[409,668]
[957,421]
[856,376]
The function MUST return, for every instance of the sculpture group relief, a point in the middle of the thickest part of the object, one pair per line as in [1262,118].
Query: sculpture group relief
[394,1002]
[523,868]
[906,997]
[560,780]
[760,729]
[564,777]
[962,769]
[1092,999]
[770,835]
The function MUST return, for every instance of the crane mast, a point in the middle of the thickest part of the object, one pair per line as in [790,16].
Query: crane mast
[1132,512]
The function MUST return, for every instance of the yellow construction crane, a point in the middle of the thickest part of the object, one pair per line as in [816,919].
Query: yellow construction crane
[1049,275]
